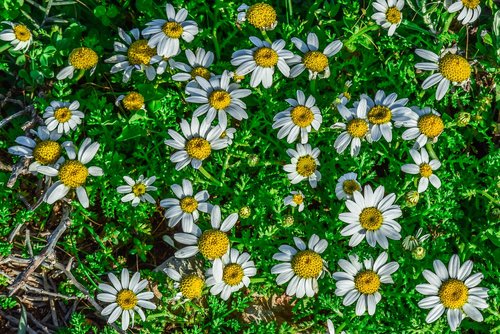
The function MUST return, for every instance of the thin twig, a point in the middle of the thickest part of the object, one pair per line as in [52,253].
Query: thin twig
[16,322]
[7,119]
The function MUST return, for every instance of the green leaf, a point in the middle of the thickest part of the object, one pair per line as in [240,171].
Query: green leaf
[130,131]
[23,321]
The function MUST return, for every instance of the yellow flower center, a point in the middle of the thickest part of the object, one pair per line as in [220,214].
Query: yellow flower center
[62,115]
[232,274]
[265,57]
[302,116]
[298,199]
[261,15]
[83,58]
[213,244]
[223,134]
[425,170]
[188,204]
[315,61]
[133,101]
[371,219]
[237,77]
[379,115]
[191,286]
[453,293]
[357,127]
[139,189]
[393,15]
[350,186]
[472,4]
[367,282]
[306,165]
[47,152]
[198,148]
[430,125]
[73,173]
[22,33]
[307,264]
[126,299]
[172,29]
[200,71]
[454,68]
[139,53]
[219,99]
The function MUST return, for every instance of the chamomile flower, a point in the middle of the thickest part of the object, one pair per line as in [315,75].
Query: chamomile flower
[126,298]
[197,144]
[261,15]
[424,168]
[450,67]
[166,63]
[164,35]
[301,267]
[331,328]
[228,134]
[212,243]
[344,97]
[372,216]
[136,191]
[356,128]
[44,148]
[230,273]
[470,10]
[298,119]
[425,125]
[63,116]
[19,36]
[79,59]
[295,199]
[198,65]
[133,101]
[413,241]
[262,60]
[133,54]
[361,281]
[388,14]
[217,95]
[347,185]
[185,207]
[453,290]
[190,285]
[72,173]
[313,60]
[304,165]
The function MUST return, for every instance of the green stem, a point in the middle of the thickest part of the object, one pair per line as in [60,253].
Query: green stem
[312,86]
[432,154]
[257,279]
[80,75]
[208,175]
[360,32]
[488,196]
[448,22]
[264,33]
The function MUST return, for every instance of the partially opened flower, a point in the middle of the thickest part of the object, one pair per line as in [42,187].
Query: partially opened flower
[63,116]
[413,241]
[425,125]
[19,36]
[133,101]
[424,168]
[261,15]
[295,199]
[199,63]
[79,59]
[470,10]
[347,185]
[136,191]
[303,165]
[126,298]
[355,128]
[388,14]
[190,285]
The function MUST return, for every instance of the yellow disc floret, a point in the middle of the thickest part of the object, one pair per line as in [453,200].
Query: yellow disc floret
[302,116]
[261,16]
[139,53]
[73,174]
[191,286]
[22,33]
[315,61]
[47,152]
[200,71]
[379,115]
[62,115]
[357,127]
[188,204]
[298,199]
[83,58]
[306,165]
[213,244]
[307,264]
[172,29]
[393,15]
[371,219]
[126,299]
[139,189]
[133,101]
[454,68]
[453,293]
[198,148]
[219,99]
[367,282]
[471,4]
[425,170]
[430,125]
[350,186]
[265,57]
[232,274]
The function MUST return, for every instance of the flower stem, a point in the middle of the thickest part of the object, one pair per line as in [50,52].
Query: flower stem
[209,176]
[264,33]
[429,148]
[80,75]
[447,23]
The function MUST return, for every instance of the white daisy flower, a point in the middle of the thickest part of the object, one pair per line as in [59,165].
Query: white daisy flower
[331,328]
[165,34]
[388,14]
[63,116]
[228,134]
[44,148]
[190,285]
[185,207]
[425,125]
[19,36]
[133,101]
[453,290]
[230,273]
[470,10]
[197,143]
[295,199]
[261,61]
[218,95]
[298,119]
[212,243]
[198,65]
[423,167]
[411,242]
[261,15]
[344,97]
[137,55]
[79,59]
[136,191]
[313,60]
[360,281]
[347,185]
[126,298]
[372,216]
[304,164]
[72,173]
[166,63]
[450,67]
[301,267]
[355,128]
